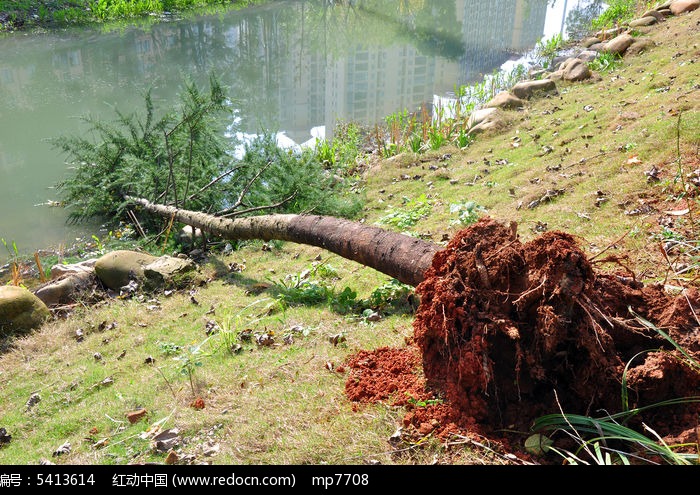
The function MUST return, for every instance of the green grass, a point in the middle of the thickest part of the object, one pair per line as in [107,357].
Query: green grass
[285,403]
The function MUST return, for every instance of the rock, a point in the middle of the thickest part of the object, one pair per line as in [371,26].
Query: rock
[619,44]
[557,61]
[606,34]
[640,45]
[168,271]
[588,42]
[588,55]
[574,69]
[643,21]
[506,100]
[66,289]
[485,119]
[20,310]
[87,266]
[527,89]
[655,14]
[478,116]
[598,47]
[678,7]
[188,236]
[118,268]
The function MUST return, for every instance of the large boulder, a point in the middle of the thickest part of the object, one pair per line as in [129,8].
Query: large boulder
[505,100]
[65,289]
[529,89]
[20,311]
[681,6]
[619,44]
[573,69]
[169,272]
[485,119]
[117,268]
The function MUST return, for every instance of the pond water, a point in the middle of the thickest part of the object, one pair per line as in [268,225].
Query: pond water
[295,67]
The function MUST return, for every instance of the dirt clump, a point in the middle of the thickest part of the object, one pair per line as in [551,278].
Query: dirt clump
[510,331]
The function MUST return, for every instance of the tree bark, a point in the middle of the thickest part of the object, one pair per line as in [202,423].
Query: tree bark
[400,256]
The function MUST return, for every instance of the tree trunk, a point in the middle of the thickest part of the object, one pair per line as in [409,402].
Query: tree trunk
[400,256]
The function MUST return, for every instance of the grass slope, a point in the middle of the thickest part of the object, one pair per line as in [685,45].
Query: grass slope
[595,145]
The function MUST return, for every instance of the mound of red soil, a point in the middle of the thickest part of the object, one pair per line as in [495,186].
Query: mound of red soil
[510,331]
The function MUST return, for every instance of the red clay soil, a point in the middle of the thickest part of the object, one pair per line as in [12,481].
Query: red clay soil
[507,332]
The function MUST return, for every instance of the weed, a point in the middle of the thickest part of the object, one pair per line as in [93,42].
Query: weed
[611,429]
[617,11]
[408,214]
[605,62]
[467,213]
[547,49]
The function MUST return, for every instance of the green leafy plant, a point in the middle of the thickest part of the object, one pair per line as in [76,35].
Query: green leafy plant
[392,296]
[408,214]
[15,263]
[617,11]
[605,62]
[467,213]
[171,158]
[547,49]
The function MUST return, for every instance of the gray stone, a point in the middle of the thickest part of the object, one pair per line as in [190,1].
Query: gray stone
[65,289]
[619,44]
[485,119]
[640,45]
[598,47]
[87,266]
[588,55]
[575,69]
[655,14]
[20,311]
[506,100]
[168,271]
[478,116]
[118,268]
[678,7]
[590,41]
[606,34]
[557,61]
[643,21]
[528,89]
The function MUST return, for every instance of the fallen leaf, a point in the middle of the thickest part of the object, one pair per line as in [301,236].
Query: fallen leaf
[135,416]
[4,437]
[167,440]
[198,403]
[63,449]
[33,400]
[677,213]
[537,444]
[100,443]
[171,458]
[634,161]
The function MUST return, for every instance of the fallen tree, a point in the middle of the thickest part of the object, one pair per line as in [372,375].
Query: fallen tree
[399,256]
[510,331]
